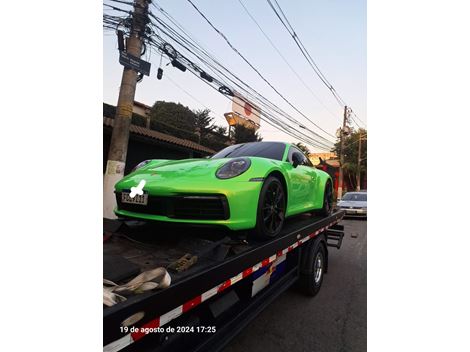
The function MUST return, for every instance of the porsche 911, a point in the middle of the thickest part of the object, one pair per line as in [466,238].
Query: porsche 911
[250,186]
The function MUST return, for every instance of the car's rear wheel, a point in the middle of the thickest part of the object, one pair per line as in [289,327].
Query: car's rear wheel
[327,200]
[271,209]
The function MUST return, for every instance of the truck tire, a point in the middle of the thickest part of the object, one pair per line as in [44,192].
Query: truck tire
[312,267]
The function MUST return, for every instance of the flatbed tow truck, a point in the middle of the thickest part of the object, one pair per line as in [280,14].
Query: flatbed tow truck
[234,278]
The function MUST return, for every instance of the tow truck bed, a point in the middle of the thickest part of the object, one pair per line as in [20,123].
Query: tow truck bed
[216,292]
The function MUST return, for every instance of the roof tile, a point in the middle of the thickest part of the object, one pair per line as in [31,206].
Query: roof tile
[162,137]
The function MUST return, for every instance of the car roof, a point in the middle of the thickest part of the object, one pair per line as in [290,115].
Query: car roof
[260,142]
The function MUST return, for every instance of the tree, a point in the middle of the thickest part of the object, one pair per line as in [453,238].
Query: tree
[216,139]
[351,150]
[203,123]
[242,134]
[303,148]
[173,119]
[221,130]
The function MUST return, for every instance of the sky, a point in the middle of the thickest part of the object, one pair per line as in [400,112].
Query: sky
[333,31]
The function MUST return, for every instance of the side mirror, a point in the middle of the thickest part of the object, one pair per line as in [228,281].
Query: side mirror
[296,160]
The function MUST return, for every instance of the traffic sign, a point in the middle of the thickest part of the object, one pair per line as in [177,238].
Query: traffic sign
[130,61]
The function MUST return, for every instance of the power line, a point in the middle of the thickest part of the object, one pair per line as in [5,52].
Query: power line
[211,57]
[291,31]
[227,73]
[285,22]
[189,94]
[281,126]
[285,60]
[357,117]
[117,8]
[270,117]
[254,68]
[269,107]
[352,118]
[123,2]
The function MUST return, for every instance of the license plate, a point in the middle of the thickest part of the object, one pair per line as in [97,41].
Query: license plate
[138,199]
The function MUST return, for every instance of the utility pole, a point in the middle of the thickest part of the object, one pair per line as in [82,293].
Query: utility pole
[358,171]
[341,154]
[120,136]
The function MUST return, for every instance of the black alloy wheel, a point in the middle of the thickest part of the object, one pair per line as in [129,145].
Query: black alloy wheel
[271,209]
[327,200]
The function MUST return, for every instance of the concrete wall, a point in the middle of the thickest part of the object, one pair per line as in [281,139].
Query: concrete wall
[139,110]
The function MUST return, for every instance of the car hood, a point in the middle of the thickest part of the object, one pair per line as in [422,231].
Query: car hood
[348,203]
[182,168]
[174,174]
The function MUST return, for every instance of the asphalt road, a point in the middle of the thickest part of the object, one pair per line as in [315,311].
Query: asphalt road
[334,320]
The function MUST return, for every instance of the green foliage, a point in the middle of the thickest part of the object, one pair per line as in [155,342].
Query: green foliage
[303,148]
[168,117]
[351,150]
[221,130]
[203,121]
[180,121]
[139,120]
[242,134]
[215,141]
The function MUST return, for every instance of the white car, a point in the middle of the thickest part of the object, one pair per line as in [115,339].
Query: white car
[354,204]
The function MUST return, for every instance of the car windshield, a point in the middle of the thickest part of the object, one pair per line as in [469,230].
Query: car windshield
[269,150]
[355,197]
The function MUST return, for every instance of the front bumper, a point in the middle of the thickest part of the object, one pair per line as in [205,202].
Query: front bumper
[241,200]
[353,212]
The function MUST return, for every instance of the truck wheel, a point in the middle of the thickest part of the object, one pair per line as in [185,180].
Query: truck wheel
[271,209]
[313,265]
[327,200]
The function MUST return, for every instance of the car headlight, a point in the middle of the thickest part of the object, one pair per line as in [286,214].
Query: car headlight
[233,168]
[141,164]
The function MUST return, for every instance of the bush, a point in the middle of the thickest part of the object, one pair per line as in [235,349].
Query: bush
[181,127]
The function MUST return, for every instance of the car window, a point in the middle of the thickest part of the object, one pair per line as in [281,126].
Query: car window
[290,153]
[355,197]
[307,162]
[304,159]
[269,150]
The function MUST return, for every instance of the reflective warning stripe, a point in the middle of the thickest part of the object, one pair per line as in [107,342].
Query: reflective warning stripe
[167,317]
[119,344]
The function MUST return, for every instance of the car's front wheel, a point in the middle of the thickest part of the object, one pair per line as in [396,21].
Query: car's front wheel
[271,209]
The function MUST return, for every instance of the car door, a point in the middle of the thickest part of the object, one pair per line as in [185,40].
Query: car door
[302,178]
[310,182]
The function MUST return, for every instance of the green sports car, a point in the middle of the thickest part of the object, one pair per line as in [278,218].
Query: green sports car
[244,186]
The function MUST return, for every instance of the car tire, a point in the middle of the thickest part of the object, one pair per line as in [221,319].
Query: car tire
[327,208]
[271,211]
[313,267]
